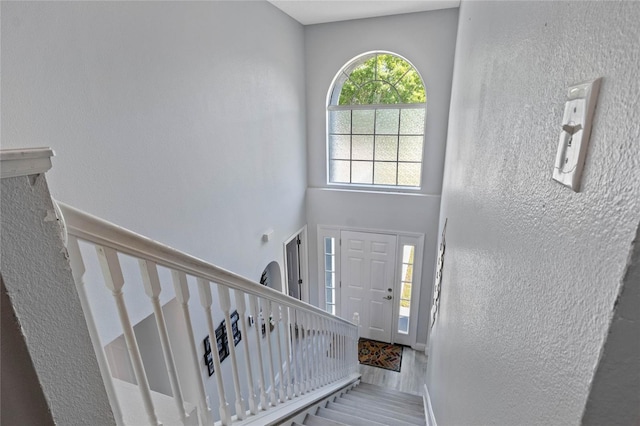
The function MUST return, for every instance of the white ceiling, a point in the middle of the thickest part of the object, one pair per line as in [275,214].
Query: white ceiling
[309,12]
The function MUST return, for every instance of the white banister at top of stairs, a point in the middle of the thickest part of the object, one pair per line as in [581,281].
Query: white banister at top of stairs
[312,349]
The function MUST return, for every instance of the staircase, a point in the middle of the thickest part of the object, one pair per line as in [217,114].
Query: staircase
[369,405]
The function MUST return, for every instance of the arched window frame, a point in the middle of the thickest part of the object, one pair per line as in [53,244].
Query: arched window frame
[401,163]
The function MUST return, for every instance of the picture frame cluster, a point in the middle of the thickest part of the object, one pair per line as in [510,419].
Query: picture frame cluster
[222,342]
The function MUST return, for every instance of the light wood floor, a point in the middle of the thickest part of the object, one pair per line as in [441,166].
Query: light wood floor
[411,377]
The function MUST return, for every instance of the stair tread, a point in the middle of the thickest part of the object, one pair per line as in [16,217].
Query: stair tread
[312,420]
[365,413]
[381,403]
[389,397]
[409,396]
[407,417]
[349,419]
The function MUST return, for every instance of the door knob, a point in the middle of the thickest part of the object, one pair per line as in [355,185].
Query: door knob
[388,297]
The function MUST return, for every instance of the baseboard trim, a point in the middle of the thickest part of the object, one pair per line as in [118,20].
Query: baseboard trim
[428,409]
[421,347]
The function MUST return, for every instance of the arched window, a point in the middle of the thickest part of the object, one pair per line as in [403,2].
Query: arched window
[376,116]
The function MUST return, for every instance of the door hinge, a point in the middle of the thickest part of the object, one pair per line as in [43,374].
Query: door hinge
[298,241]
[300,281]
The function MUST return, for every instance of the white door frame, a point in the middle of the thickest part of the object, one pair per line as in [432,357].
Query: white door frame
[403,238]
[304,263]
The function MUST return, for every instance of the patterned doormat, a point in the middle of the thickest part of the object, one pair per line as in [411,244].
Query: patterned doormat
[378,354]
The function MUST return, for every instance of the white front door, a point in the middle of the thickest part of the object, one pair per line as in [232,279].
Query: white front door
[367,281]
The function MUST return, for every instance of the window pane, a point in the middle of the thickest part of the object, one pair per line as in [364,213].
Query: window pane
[330,295]
[340,122]
[387,121]
[409,174]
[387,149]
[412,122]
[329,279]
[407,254]
[362,172]
[407,272]
[339,147]
[362,148]
[385,173]
[329,245]
[339,171]
[403,323]
[328,262]
[363,121]
[410,148]
[406,293]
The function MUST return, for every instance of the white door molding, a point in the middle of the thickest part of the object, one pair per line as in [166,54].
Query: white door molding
[412,238]
[304,263]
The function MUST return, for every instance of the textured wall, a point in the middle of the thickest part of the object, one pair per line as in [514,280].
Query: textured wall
[615,392]
[183,121]
[38,280]
[532,269]
[427,40]
[21,397]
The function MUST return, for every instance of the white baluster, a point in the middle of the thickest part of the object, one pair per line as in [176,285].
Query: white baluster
[152,288]
[344,351]
[306,345]
[318,351]
[115,281]
[78,270]
[183,296]
[289,352]
[225,305]
[278,318]
[334,352]
[315,350]
[350,352]
[295,352]
[266,305]
[324,353]
[339,347]
[253,306]
[327,349]
[343,357]
[310,352]
[204,290]
[321,352]
[354,354]
[241,306]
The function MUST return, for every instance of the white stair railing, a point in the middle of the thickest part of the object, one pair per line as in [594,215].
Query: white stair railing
[310,349]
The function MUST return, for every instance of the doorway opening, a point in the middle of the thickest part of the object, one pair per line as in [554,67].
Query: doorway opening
[376,274]
[271,276]
[295,255]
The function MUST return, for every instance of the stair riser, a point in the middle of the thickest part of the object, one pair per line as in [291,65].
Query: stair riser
[388,397]
[364,413]
[392,392]
[381,404]
[419,420]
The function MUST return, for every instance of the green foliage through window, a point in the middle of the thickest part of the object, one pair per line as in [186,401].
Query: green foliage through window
[383,79]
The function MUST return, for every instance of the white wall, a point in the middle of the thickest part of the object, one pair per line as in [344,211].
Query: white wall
[532,270]
[427,40]
[183,121]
